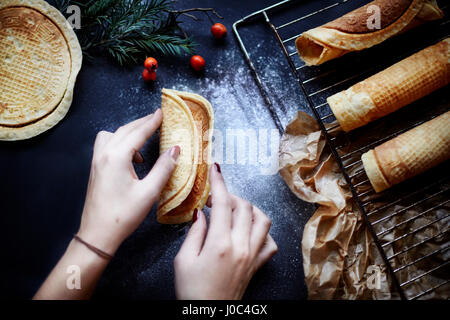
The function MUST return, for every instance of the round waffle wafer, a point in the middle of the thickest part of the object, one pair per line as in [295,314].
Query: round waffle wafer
[40,58]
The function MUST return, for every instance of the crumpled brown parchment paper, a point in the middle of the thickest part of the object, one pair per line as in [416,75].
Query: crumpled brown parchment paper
[340,258]
[337,248]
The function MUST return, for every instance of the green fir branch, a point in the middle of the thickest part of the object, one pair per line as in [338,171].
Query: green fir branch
[128,30]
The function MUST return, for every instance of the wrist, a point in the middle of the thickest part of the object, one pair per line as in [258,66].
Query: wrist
[107,243]
[84,258]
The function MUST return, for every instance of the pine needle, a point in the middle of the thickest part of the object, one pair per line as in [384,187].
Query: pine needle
[129,30]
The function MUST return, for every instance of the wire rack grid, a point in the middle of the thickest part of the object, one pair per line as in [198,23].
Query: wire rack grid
[400,219]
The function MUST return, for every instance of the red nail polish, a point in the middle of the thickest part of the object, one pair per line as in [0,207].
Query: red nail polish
[217,167]
[195,215]
[175,152]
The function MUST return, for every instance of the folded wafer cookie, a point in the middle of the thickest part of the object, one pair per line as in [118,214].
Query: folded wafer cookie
[409,154]
[393,88]
[188,123]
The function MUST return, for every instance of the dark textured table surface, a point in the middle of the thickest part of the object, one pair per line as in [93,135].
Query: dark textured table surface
[43,180]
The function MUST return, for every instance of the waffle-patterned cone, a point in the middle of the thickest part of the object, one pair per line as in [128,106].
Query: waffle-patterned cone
[393,88]
[188,122]
[409,154]
[351,32]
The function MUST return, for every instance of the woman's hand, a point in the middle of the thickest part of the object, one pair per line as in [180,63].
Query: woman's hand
[117,201]
[218,263]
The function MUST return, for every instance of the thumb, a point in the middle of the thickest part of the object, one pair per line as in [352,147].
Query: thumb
[267,251]
[157,178]
[193,243]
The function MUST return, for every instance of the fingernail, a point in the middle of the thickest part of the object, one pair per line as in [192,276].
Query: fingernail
[138,157]
[194,218]
[217,167]
[175,152]
[152,114]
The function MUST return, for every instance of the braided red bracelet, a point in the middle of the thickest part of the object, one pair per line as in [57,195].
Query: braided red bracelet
[101,253]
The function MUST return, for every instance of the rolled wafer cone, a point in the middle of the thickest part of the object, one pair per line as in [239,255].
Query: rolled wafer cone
[393,88]
[409,154]
[188,123]
[359,29]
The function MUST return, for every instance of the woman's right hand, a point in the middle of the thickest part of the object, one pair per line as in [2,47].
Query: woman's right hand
[218,262]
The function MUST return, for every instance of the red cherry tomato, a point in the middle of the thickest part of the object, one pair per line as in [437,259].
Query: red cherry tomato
[197,63]
[219,31]
[151,63]
[148,75]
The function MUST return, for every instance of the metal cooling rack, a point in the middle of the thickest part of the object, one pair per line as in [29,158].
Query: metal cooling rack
[405,221]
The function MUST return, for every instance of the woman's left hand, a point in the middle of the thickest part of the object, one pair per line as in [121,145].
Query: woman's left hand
[117,201]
